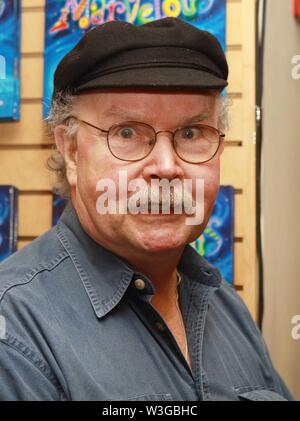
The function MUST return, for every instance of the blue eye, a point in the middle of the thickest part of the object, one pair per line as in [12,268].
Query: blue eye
[189,133]
[126,132]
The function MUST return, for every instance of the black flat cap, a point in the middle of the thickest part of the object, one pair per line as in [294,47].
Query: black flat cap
[166,53]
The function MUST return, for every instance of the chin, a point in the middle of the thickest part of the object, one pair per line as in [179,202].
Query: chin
[161,241]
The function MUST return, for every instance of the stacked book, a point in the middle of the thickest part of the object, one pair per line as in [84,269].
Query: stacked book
[8,221]
[10,59]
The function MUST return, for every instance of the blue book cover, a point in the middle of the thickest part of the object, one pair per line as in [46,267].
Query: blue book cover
[68,20]
[8,221]
[10,22]
[216,244]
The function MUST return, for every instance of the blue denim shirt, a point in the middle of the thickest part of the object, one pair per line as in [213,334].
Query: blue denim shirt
[77,328]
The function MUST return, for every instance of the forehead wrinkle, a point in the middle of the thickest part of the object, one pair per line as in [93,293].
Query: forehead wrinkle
[122,112]
[133,115]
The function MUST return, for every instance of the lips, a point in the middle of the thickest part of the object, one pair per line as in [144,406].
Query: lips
[169,211]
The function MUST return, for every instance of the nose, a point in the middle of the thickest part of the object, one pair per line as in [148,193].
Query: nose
[163,161]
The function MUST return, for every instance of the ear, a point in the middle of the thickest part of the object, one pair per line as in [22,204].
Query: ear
[67,146]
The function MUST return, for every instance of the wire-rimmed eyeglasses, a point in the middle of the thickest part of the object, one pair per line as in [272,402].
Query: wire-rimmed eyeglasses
[134,141]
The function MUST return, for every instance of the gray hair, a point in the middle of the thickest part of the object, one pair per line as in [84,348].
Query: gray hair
[62,111]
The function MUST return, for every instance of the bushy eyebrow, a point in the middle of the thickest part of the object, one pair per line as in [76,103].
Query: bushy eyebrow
[135,116]
[199,117]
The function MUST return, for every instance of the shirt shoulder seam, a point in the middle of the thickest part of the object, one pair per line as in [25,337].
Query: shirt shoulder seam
[29,276]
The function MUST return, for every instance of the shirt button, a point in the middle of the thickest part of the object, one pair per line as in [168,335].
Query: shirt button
[160,326]
[207,272]
[139,284]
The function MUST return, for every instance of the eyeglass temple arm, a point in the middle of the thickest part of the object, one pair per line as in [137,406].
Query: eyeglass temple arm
[89,124]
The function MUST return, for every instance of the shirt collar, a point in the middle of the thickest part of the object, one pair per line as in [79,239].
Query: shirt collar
[106,276]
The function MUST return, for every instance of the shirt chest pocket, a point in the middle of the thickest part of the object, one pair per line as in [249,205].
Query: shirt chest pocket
[261,395]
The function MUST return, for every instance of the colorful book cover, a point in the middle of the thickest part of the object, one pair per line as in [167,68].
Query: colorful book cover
[216,244]
[8,221]
[10,22]
[68,20]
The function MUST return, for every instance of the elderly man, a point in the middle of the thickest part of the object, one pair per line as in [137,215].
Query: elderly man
[112,303]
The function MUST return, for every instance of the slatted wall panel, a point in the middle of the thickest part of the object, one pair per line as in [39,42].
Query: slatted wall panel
[24,148]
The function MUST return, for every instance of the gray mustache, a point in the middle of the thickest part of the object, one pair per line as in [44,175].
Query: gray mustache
[161,199]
